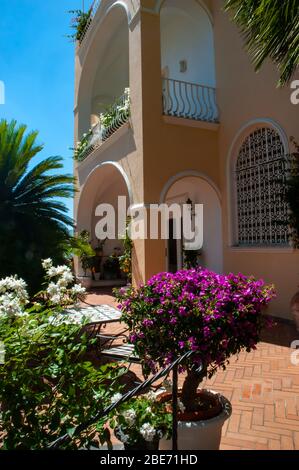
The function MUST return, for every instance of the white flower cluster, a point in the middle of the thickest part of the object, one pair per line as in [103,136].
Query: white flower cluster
[130,417]
[115,398]
[148,432]
[83,144]
[117,110]
[13,297]
[61,289]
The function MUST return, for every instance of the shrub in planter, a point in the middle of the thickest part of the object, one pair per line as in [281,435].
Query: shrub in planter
[141,422]
[213,315]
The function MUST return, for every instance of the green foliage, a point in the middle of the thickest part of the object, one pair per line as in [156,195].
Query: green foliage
[292,196]
[34,221]
[111,267]
[82,146]
[271,30]
[125,260]
[142,419]
[79,23]
[191,258]
[119,109]
[47,386]
[80,246]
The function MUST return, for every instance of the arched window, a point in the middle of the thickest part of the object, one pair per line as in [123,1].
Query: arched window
[261,171]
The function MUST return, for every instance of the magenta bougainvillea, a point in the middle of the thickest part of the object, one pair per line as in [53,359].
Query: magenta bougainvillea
[213,315]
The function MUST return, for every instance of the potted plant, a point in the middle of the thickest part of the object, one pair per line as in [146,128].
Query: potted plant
[97,259]
[141,422]
[111,268]
[125,260]
[215,316]
[80,247]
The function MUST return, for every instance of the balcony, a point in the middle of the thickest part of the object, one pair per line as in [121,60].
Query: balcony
[190,101]
[109,122]
[92,11]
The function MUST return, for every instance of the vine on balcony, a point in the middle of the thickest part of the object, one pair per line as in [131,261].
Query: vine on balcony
[116,114]
[110,120]
[82,146]
[79,23]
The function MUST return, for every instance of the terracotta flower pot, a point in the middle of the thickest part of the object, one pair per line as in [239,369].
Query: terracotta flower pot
[201,430]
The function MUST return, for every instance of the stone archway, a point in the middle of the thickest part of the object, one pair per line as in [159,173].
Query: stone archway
[104,185]
[191,185]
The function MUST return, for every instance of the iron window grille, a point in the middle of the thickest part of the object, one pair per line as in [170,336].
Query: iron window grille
[261,172]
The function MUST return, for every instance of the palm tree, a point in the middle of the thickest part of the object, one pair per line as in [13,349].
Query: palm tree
[33,220]
[271,30]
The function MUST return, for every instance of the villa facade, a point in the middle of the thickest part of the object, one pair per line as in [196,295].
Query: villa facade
[202,127]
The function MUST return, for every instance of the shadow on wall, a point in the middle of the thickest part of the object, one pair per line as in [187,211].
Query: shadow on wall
[283,333]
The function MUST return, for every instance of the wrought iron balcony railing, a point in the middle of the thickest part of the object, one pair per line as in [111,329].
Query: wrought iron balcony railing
[109,122]
[93,9]
[190,101]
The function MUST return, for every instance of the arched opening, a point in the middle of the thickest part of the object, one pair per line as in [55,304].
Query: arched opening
[198,190]
[188,60]
[105,70]
[112,75]
[105,185]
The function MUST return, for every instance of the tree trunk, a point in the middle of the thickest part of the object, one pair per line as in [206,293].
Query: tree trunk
[190,386]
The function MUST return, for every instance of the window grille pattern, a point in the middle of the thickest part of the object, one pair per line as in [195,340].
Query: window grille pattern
[261,173]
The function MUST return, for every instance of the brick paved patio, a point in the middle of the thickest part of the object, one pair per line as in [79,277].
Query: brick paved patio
[263,387]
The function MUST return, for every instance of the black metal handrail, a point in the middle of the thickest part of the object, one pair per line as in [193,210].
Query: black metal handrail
[136,391]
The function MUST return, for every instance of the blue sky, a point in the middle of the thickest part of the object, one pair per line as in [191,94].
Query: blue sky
[37,68]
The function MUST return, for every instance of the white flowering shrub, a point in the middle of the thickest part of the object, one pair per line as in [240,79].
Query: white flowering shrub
[141,421]
[61,289]
[47,385]
[13,297]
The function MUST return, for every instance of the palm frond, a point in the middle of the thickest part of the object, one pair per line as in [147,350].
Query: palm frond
[271,30]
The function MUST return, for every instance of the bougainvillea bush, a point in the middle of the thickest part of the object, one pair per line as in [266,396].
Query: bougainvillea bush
[213,315]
